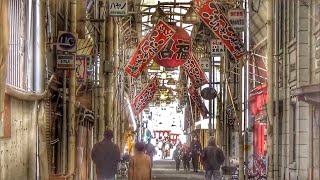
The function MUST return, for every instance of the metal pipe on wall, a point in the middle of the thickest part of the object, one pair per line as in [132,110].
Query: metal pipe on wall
[116,81]
[109,76]
[64,100]
[39,81]
[72,99]
[28,47]
[102,51]
[270,87]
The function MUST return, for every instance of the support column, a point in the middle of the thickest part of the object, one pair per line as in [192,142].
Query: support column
[72,99]
[109,76]
[102,51]
[270,87]
[116,110]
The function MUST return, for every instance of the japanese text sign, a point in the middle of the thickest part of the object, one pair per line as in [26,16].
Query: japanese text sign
[195,96]
[118,7]
[145,96]
[217,47]
[237,19]
[194,71]
[213,17]
[150,46]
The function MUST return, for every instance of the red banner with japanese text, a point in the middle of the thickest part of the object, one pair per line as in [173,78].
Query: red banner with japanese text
[211,14]
[145,96]
[195,96]
[194,71]
[150,46]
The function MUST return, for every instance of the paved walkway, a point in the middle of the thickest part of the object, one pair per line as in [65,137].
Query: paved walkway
[166,170]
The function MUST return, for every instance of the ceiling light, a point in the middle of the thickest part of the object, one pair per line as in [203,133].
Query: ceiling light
[191,17]
[158,14]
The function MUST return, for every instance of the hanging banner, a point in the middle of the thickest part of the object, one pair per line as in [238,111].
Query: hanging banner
[195,73]
[145,96]
[195,96]
[213,17]
[217,48]
[237,19]
[177,50]
[150,46]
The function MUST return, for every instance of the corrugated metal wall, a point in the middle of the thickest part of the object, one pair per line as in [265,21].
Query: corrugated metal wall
[15,73]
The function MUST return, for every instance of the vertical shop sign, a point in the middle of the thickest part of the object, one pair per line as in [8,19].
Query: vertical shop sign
[217,48]
[237,19]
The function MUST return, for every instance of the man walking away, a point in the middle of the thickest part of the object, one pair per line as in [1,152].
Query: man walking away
[139,164]
[177,158]
[195,147]
[150,151]
[212,158]
[106,156]
[186,157]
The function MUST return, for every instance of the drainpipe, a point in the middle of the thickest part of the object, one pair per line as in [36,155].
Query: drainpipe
[64,100]
[109,76]
[29,59]
[270,87]
[102,40]
[39,82]
[72,99]
[116,81]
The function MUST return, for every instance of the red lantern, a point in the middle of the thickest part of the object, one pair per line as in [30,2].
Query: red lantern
[176,51]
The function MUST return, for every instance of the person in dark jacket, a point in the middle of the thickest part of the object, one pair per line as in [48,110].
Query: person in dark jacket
[177,158]
[212,158]
[186,157]
[106,156]
[150,150]
[195,148]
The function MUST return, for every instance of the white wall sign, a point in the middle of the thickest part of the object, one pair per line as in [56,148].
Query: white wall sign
[118,7]
[217,47]
[237,19]
[204,64]
[65,61]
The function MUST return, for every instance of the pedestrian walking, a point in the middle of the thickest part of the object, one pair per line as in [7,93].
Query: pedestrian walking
[212,158]
[150,151]
[139,164]
[186,157]
[195,148]
[177,158]
[106,156]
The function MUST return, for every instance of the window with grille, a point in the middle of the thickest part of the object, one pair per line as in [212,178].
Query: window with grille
[16,56]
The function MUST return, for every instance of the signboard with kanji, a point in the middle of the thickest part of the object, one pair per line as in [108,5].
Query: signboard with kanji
[217,47]
[118,7]
[237,19]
